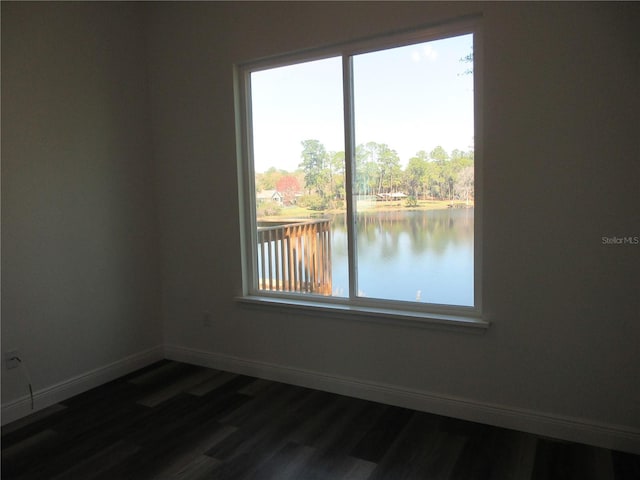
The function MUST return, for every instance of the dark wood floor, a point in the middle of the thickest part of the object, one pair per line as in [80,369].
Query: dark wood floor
[177,421]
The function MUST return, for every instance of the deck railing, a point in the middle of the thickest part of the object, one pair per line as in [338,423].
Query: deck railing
[295,256]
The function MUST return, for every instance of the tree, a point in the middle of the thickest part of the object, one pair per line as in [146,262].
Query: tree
[366,168]
[377,168]
[288,186]
[336,176]
[433,179]
[389,168]
[464,184]
[415,172]
[314,157]
[268,179]
[439,155]
[468,59]
[443,171]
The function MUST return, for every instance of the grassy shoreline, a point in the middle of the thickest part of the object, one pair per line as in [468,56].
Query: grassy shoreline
[301,212]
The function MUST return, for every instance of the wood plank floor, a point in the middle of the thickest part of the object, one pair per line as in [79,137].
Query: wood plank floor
[177,421]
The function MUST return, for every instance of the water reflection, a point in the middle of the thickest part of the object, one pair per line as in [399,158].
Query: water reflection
[409,255]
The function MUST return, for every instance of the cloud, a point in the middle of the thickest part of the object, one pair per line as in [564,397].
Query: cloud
[427,52]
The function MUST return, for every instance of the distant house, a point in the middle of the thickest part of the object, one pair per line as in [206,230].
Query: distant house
[269,196]
[387,197]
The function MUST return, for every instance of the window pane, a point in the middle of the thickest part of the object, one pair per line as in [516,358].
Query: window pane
[414,176]
[298,144]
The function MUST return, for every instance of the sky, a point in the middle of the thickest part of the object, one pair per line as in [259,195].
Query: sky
[411,98]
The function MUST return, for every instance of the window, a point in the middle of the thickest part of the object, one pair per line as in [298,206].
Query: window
[360,176]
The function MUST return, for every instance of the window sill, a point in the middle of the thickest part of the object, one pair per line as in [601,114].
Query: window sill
[395,317]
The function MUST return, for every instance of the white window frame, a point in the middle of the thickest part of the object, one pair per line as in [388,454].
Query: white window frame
[354,307]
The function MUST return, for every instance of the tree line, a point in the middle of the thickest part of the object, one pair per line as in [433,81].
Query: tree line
[319,181]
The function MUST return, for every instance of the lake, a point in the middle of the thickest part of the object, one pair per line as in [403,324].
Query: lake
[410,255]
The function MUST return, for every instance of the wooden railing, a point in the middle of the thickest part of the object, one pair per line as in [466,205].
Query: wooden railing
[295,256]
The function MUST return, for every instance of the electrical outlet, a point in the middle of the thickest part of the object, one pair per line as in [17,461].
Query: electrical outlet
[206,319]
[11,359]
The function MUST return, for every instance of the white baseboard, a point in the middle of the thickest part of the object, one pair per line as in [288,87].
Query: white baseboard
[615,437]
[48,396]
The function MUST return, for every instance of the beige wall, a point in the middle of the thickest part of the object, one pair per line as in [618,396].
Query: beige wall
[87,271]
[80,270]
[561,150]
